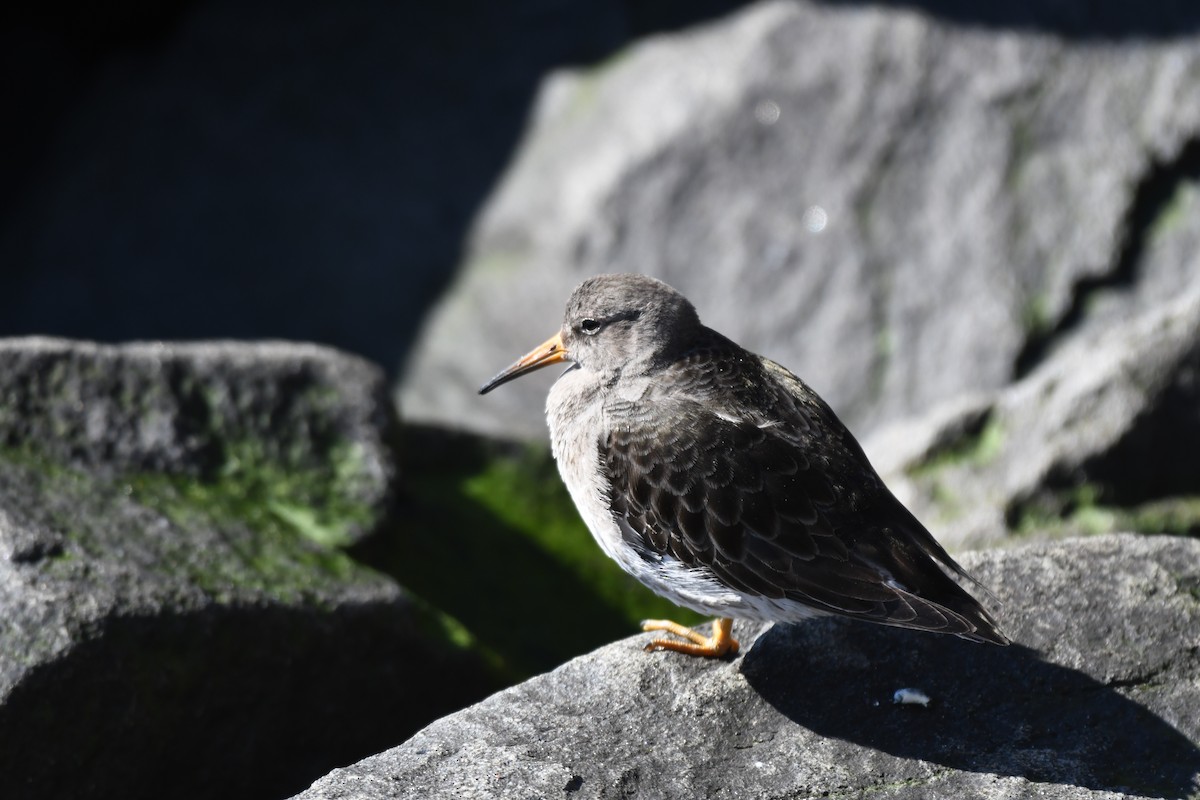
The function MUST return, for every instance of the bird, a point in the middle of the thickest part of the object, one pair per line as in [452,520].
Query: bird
[724,483]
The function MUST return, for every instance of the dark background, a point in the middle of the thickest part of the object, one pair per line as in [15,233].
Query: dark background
[266,169]
[304,170]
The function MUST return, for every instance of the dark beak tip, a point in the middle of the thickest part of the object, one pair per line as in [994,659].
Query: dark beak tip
[499,380]
[549,352]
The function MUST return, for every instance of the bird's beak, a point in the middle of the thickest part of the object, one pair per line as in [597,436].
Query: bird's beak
[548,352]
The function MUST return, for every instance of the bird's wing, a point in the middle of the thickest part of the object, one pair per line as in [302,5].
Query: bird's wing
[767,508]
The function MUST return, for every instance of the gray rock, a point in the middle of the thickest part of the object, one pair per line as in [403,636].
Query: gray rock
[201,411]
[1104,435]
[902,209]
[1100,697]
[174,617]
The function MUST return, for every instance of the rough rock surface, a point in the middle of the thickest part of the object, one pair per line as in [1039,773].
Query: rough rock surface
[202,411]
[174,618]
[1099,697]
[1104,435]
[900,202]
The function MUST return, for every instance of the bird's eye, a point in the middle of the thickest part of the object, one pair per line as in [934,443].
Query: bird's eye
[590,326]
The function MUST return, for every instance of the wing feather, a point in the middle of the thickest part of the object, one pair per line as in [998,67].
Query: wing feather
[783,505]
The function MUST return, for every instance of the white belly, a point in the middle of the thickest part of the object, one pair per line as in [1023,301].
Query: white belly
[577,425]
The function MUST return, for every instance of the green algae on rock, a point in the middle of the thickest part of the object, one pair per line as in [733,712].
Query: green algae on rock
[172,588]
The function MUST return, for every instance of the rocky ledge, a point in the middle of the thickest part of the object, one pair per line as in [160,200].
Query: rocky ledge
[178,616]
[1098,697]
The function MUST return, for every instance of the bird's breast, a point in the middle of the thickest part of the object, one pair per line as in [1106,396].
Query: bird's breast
[575,414]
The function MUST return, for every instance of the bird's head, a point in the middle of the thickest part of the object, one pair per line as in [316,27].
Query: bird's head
[612,322]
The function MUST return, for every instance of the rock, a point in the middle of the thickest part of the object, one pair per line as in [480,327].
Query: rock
[272,414]
[1099,697]
[1104,435]
[175,618]
[903,206]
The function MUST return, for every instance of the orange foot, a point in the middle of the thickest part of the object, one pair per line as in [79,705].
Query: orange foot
[719,644]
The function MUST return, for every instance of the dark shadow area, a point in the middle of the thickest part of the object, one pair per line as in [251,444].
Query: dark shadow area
[993,710]
[1159,456]
[1071,19]
[529,609]
[1151,473]
[51,53]
[300,170]
[251,703]
[516,600]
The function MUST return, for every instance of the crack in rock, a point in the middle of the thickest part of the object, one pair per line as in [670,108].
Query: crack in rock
[1150,199]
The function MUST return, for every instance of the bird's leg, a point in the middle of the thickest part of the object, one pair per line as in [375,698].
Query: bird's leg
[720,643]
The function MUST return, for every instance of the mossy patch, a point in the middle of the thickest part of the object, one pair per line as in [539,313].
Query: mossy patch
[1176,515]
[228,536]
[586,84]
[498,262]
[948,504]
[1035,316]
[298,516]
[885,347]
[488,533]
[1180,208]
[278,555]
[978,444]
[526,493]
[318,502]
[1081,510]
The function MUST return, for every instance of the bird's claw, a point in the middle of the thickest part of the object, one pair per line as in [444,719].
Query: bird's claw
[721,643]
